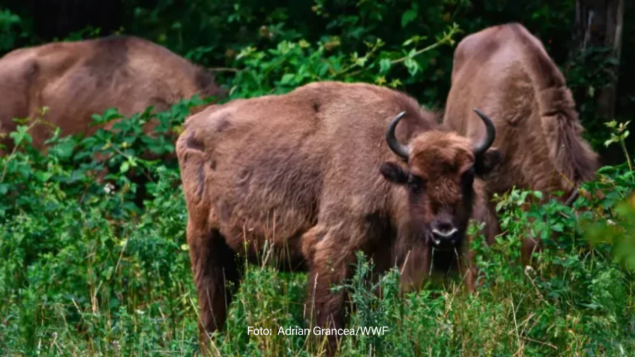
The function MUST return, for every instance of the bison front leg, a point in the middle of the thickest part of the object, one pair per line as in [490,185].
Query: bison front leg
[329,267]
[467,267]
[483,213]
[467,257]
[415,267]
[530,245]
[214,266]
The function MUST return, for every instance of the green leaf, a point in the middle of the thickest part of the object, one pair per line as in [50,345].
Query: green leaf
[21,135]
[287,78]
[557,227]
[125,166]
[114,302]
[408,17]
[395,83]
[523,198]
[361,61]
[384,65]
[64,149]
[43,176]
[412,66]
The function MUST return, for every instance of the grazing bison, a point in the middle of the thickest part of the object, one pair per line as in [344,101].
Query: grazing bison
[78,79]
[505,71]
[319,173]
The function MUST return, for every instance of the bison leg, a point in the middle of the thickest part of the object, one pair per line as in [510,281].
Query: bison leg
[330,265]
[415,268]
[483,212]
[530,245]
[467,266]
[214,266]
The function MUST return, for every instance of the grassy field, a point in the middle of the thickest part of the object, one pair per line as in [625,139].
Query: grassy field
[84,272]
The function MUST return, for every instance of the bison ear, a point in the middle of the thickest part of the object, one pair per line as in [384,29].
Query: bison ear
[394,173]
[488,162]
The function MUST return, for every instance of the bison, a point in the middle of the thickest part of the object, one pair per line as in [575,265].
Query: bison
[78,79]
[318,174]
[507,72]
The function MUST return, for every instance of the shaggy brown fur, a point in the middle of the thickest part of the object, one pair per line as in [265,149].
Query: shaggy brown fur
[506,72]
[78,79]
[303,171]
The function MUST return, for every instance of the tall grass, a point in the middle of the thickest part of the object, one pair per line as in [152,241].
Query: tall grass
[85,272]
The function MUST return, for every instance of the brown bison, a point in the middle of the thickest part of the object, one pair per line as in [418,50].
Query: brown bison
[78,79]
[319,173]
[505,71]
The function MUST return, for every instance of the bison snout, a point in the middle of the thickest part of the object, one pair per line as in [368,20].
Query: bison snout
[444,233]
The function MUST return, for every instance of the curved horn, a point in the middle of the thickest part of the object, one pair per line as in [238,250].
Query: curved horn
[403,151]
[490,134]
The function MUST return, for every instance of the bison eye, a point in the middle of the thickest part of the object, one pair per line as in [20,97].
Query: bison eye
[415,183]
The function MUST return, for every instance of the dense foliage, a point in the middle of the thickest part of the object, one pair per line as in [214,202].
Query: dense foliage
[86,272]
[215,33]
[97,264]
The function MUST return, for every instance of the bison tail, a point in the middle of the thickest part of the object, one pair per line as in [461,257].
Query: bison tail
[571,155]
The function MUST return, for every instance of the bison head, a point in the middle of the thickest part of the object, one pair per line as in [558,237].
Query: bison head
[439,178]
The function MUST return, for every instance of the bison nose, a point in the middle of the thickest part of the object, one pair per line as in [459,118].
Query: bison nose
[443,231]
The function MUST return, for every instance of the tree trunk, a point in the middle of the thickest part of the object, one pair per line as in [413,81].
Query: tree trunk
[599,23]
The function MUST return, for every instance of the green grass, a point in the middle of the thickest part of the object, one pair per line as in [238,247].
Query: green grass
[84,272]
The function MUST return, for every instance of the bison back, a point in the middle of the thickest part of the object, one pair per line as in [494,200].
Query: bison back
[278,165]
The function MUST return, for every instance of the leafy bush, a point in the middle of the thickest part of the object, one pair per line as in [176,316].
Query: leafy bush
[8,35]
[293,64]
[86,270]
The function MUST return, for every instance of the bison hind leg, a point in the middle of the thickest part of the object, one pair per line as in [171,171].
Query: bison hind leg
[216,275]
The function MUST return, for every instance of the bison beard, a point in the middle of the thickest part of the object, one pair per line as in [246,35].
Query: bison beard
[313,174]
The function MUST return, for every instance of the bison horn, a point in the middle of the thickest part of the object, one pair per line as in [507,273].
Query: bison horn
[490,134]
[403,151]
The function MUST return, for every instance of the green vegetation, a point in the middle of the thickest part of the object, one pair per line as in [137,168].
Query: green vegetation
[87,270]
